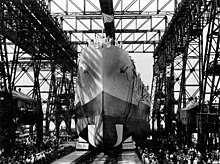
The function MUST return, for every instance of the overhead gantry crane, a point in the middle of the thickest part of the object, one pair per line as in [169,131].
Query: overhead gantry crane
[137,24]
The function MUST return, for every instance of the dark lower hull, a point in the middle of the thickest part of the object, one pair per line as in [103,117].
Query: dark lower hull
[105,112]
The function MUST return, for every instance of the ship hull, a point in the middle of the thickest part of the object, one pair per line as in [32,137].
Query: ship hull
[109,95]
[106,117]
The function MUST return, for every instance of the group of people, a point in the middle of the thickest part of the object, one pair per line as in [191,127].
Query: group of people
[26,152]
[180,156]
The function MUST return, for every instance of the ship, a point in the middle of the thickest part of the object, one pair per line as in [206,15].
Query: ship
[112,105]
